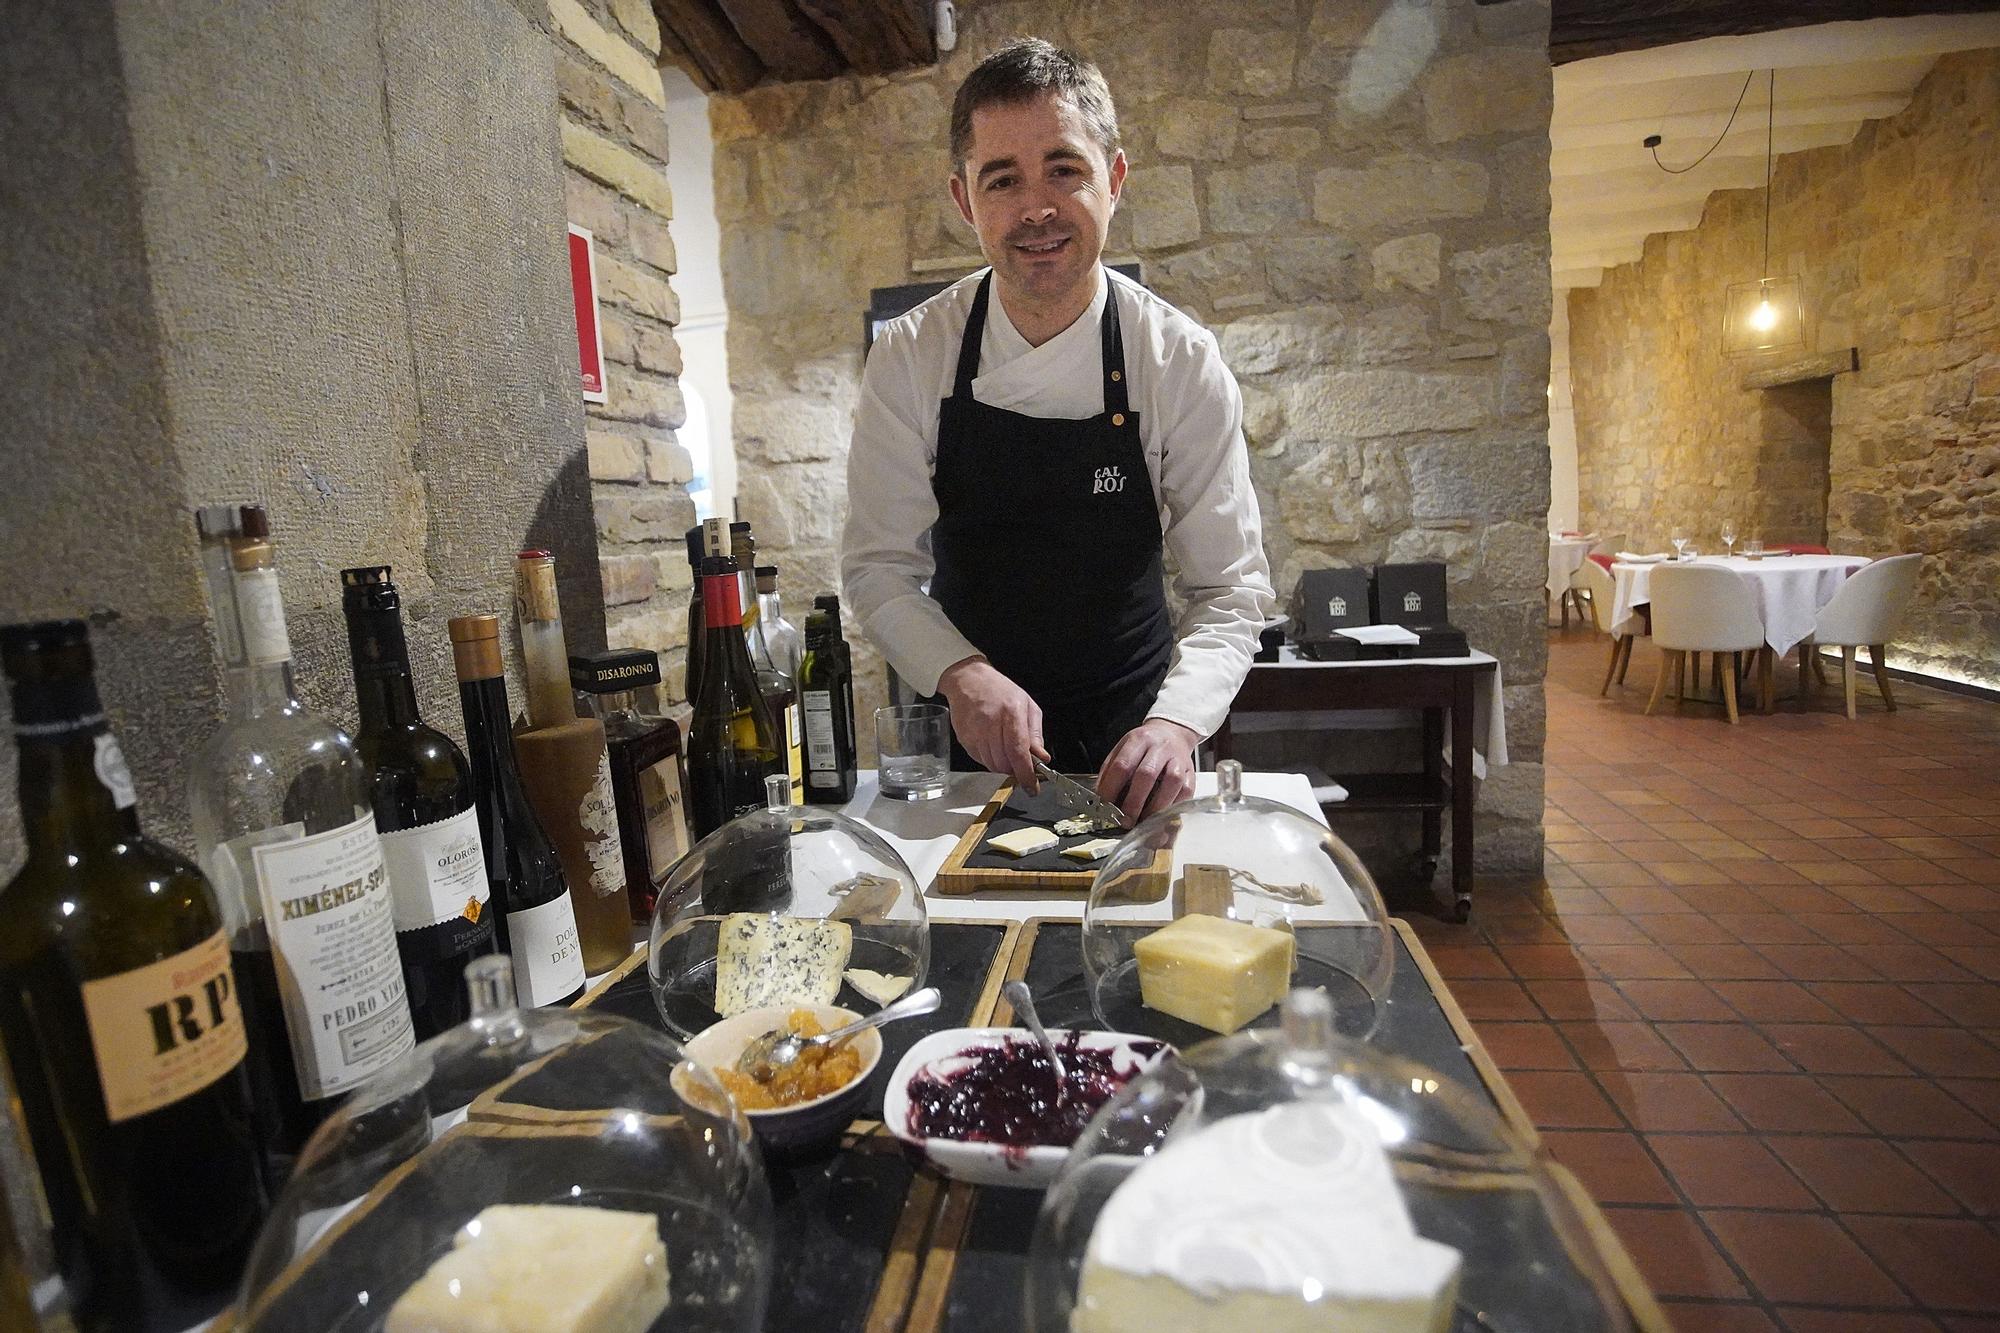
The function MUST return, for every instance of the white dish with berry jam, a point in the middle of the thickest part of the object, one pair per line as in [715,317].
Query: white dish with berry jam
[959,1096]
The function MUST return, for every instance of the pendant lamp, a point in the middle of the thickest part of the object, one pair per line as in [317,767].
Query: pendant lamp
[1767,315]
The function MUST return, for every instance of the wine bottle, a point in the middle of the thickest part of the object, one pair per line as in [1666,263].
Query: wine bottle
[648,773]
[784,649]
[285,829]
[421,788]
[733,741]
[566,771]
[691,684]
[826,690]
[533,914]
[119,1014]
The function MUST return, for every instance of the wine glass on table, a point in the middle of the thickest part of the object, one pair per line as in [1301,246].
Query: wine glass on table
[1680,541]
[1729,536]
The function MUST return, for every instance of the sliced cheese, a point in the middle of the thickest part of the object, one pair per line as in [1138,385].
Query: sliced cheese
[877,986]
[1213,972]
[1094,850]
[542,1268]
[1024,841]
[765,960]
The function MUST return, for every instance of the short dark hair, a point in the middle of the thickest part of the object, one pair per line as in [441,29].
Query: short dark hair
[1022,70]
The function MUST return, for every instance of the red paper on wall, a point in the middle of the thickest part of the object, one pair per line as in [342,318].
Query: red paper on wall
[589,334]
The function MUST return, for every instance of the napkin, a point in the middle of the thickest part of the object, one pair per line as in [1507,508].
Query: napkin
[1379,634]
[1634,558]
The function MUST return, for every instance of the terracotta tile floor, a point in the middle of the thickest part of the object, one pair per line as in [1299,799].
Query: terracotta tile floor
[1755,1000]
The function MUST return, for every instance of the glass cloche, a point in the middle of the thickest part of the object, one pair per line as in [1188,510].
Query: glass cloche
[530,1168]
[1292,1178]
[1208,912]
[788,905]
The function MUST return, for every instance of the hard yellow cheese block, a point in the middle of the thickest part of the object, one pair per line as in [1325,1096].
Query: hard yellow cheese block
[542,1268]
[1213,972]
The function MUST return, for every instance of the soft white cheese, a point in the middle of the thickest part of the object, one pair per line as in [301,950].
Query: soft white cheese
[542,1268]
[1281,1220]
[1094,850]
[764,960]
[1024,841]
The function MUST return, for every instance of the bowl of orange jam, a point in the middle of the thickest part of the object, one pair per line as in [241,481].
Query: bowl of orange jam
[810,1101]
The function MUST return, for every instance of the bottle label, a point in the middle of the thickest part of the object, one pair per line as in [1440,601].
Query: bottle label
[597,813]
[332,923]
[795,754]
[113,773]
[822,761]
[166,1030]
[664,809]
[437,873]
[548,957]
[261,611]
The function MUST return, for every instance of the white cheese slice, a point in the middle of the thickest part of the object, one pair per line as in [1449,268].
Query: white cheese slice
[877,986]
[765,960]
[1094,850]
[1282,1220]
[1024,841]
[542,1268]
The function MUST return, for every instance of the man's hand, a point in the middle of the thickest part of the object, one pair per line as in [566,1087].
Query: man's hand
[1151,767]
[996,721]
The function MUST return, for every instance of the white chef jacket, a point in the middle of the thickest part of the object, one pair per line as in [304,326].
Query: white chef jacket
[1191,426]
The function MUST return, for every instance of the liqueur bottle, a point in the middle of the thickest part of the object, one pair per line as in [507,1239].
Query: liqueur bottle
[691,685]
[733,740]
[286,831]
[421,788]
[533,916]
[784,648]
[826,689]
[566,771]
[119,1015]
[648,776]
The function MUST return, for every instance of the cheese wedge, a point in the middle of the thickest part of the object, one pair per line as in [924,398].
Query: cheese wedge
[1213,972]
[1094,850]
[1024,841]
[765,960]
[542,1268]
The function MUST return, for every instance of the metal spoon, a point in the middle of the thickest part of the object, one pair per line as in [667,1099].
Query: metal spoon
[764,1057]
[1024,1009]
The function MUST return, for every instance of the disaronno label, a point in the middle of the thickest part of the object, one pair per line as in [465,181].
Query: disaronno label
[663,805]
[328,909]
[166,1030]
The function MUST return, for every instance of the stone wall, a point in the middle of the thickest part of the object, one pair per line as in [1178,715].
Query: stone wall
[1354,193]
[300,252]
[614,137]
[1897,237]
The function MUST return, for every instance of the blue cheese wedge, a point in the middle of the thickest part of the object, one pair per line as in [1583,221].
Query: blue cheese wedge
[765,960]
[1024,841]
[542,1268]
[1094,850]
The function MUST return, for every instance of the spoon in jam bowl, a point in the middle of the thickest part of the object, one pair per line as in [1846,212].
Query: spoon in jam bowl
[1024,1009]
[766,1055]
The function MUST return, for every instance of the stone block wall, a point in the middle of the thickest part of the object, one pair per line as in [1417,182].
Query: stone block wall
[614,138]
[1897,237]
[1352,193]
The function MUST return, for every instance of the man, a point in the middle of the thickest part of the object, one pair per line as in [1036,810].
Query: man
[1027,439]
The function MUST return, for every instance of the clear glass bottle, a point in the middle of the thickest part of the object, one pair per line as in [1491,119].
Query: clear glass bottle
[285,829]
[648,772]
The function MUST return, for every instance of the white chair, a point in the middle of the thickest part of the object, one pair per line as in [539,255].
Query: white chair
[1705,609]
[1869,608]
[1594,581]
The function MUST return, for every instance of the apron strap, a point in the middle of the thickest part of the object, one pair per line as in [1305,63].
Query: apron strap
[1115,401]
[968,346]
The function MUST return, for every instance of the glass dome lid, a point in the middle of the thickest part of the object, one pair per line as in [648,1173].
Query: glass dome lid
[1208,912]
[1292,1178]
[788,905]
[527,1169]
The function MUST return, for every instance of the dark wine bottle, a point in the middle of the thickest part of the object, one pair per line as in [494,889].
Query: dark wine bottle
[119,1014]
[532,913]
[421,788]
[733,738]
[691,685]
[826,688]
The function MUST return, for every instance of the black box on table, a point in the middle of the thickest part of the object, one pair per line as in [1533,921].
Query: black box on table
[1409,595]
[1324,602]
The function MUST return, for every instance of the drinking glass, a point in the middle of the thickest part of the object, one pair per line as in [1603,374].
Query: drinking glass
[1729,537]
[913,750]
[1753,548]
[1680,541]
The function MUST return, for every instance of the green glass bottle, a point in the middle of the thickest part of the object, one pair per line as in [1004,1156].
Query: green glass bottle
[120,1019]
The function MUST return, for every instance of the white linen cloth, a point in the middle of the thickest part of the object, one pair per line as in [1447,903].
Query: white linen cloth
[1566,556]
[1190,423]
[1788,592]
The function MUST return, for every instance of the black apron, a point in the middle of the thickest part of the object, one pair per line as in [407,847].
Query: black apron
[1047,545]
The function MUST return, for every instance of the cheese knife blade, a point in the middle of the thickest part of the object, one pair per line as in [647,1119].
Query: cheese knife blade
[1075,796]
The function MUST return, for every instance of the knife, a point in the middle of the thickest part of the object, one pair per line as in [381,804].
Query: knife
[1075,796]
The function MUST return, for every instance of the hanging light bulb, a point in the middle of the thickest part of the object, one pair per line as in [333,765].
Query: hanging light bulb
[1767,315]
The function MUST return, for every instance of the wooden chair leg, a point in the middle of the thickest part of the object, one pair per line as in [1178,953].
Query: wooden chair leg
[1670,661]
[1767,678]
[1728,691]
[1818,666]
[1611,668]
[1681,675]
[1715,671]
[1625,659]
[1847,676]
[1876,655]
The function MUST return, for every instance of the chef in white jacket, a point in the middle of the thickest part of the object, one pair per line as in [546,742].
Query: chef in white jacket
[1030,442]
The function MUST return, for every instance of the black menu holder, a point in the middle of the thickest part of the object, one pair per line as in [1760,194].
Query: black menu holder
[1324,602]
[1410,595]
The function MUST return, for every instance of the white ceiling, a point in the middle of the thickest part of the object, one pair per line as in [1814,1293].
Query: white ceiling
[1608,196]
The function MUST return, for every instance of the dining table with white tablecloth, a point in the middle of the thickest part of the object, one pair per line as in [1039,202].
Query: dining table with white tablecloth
[1788,591]
[1566,556]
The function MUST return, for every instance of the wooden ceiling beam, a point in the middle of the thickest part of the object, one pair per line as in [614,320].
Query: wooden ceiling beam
[875,36]
[1580,29]
[695,35]
[790,45]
